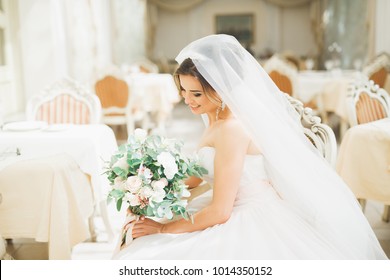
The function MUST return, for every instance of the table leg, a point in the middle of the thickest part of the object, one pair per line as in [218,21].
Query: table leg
[92,230]
[386,214]
[106,220]
[363,203]
[343,128]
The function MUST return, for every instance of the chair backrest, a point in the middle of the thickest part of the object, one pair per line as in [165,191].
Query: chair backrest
[378,69]
[319,134]
[65,101]
[112,92]
[367,102]
[146,66]
[282,73]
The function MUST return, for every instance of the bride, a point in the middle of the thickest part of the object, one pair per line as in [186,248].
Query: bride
[274,196]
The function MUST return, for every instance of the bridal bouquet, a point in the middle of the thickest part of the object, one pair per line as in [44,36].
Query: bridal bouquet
[147,174]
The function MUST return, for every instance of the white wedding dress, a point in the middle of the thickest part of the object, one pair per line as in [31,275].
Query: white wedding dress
[261,226]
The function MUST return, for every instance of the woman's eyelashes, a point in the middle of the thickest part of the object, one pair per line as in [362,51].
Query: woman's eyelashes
[183,93]
[197,94]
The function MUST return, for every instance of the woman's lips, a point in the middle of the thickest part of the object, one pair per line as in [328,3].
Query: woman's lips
[193,108]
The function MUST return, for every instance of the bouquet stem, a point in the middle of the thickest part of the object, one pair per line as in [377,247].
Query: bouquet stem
[127,234]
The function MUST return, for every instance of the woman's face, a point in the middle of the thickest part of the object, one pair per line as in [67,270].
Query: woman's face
[194,96]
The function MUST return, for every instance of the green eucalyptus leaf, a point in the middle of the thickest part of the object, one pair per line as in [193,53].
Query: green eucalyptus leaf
[149,211]
[119,204]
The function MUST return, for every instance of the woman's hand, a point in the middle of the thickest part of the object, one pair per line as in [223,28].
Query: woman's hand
[145,226]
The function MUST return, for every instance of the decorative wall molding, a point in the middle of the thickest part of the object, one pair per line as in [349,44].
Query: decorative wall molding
[175,5]
[289,3]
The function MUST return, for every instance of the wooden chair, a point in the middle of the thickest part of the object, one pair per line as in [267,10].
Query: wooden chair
[367,102]
[114,96]
[378,69]
[64,101]
[147,66]
[283,74]
[141,65]
[320,134]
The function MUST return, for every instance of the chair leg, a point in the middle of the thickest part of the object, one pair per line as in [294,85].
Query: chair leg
[147,122]
[130,125]
[106,221]
[92,230]
[386,214]
[363,203]
[343,128]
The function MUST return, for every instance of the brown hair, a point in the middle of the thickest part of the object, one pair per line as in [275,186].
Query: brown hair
[187,67]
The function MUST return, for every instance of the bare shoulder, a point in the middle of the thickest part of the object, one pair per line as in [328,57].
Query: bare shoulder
[230,132]
[231,127]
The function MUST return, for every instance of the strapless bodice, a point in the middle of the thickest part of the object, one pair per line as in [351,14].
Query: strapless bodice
[254,180]
[253,169]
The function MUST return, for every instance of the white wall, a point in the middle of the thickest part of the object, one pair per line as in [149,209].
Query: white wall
[382,23]
[276,28]
[296,33]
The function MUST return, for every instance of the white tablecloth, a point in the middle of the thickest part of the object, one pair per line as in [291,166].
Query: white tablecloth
[364,160]
[156,93]
[88,145]
[49,199]
[330,89]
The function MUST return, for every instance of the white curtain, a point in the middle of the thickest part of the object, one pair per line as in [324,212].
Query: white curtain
[128,25]
[81,37]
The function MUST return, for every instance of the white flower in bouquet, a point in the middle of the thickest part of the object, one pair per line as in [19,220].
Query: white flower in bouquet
[122,163]
[119,183]
[132,199]
[169,164]
[133,184]
[140,134]
[148,172]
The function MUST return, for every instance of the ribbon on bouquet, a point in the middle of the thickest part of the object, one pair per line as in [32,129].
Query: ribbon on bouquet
[126,236]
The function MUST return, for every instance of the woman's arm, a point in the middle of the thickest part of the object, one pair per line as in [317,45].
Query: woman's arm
[231,146]
[193,182]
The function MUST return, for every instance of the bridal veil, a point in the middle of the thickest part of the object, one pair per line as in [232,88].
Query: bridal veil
[297,172]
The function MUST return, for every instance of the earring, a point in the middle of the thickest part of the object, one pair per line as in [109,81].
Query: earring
[223,105]
[217,113]
[219,109]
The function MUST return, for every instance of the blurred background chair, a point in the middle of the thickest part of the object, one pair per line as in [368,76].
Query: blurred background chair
[367,102]
[378,69]
[147,66]
[320,134]
[283,73]
[68,102]
[141,65]
[294,60]
[114,96]
[64,101]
